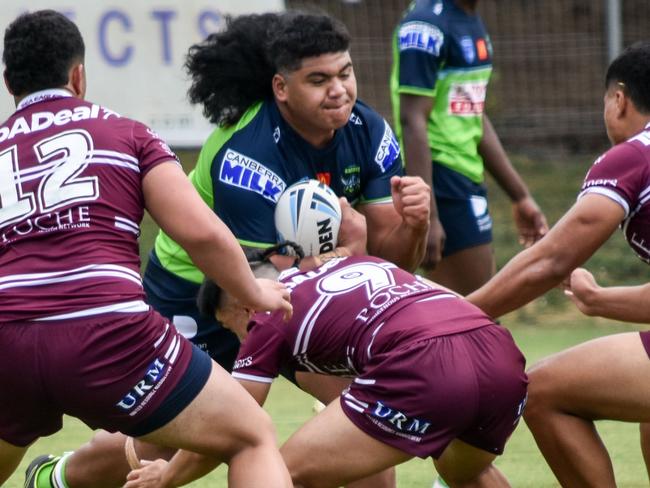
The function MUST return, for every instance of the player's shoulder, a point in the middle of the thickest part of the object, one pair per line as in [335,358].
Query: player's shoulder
[379,136]
[364,117]
[632,152]
[433,12]
[255,115]
[233,143]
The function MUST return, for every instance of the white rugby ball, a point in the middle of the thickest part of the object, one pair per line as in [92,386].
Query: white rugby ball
[308,213]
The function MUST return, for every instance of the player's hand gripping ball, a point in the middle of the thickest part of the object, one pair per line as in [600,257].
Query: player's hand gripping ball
[309,213]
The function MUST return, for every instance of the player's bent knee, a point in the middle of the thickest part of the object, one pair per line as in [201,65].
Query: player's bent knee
[302,468]
[541,396]
[256,430]
[107,442]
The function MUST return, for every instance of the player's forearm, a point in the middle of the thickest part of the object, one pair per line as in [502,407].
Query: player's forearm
[498,164]
[220,257]
[403,245]
[186,467]
[624,303]
[417,155]
[527,276]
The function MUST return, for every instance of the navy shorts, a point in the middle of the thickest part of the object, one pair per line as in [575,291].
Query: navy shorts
[462,210]
[131,372]
[418,398]
[175,298]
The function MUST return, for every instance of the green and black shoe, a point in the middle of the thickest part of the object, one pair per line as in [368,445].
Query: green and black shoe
[36,467]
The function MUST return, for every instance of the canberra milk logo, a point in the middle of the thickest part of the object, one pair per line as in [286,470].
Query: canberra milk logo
[246,173]
[388,150]
[420,36]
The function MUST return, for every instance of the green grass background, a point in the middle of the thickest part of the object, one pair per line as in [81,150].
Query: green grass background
[543,327]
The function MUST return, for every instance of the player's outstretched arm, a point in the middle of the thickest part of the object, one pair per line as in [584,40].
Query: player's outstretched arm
[529,219]
[625,303]
[178,209]
[532,272]
[180,470]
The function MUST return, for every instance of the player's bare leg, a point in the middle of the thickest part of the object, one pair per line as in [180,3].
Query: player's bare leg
[466,270]
[465,466]
[327,389]
[102,463]
[10,457]
[226,423]
[605,378]
[330,451]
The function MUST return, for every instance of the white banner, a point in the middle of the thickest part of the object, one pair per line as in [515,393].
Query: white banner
[135,50]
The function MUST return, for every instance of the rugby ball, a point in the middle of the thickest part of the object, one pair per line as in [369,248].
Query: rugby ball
[308,213]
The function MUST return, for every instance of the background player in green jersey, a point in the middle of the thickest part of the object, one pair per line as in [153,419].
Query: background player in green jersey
[442,65]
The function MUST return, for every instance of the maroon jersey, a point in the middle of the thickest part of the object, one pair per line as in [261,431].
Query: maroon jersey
[345,314]
[623,174]
[71,202]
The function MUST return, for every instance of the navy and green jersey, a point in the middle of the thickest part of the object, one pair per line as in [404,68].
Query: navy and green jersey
[243,169]
[440,51]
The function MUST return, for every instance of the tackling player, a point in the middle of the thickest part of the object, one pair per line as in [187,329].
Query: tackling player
[432,376]
[77,337]
[605,378]
[282,90]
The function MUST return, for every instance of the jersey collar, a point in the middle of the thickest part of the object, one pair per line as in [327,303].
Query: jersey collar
[41,96]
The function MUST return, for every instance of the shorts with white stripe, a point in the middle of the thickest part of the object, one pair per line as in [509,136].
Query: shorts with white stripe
[131,372]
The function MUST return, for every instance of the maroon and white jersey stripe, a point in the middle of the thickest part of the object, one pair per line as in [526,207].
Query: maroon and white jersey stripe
[71,202]
[345,313]
[623,174]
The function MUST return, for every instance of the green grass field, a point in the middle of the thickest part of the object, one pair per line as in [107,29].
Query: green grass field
[543,327]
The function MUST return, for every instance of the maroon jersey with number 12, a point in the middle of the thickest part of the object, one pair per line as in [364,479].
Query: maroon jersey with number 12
[71,202]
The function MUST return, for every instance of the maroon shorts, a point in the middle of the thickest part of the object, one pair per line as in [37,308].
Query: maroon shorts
[128,372]
[470,386]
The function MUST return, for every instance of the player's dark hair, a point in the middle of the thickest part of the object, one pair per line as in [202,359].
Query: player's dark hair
[632,69]
[304,35]
[232,69]
[39,50]
[209,296]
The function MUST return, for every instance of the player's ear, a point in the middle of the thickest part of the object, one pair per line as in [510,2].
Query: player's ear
[207,299]
[621,101]
[77,80]
[279,84]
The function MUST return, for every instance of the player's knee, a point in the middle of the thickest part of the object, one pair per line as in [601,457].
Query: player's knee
[464,478]
[302,467]
[257,431]
[106,442]
[540,393]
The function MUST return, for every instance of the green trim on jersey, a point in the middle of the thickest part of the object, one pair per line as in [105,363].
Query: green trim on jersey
[453,139]
[261,245]
[171,255]
[375,200]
